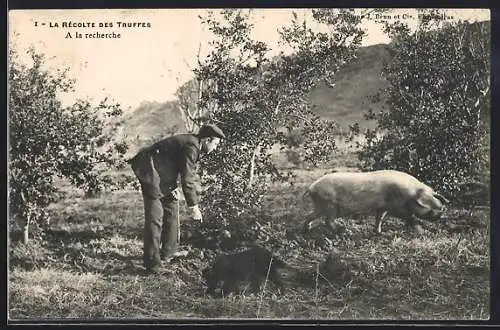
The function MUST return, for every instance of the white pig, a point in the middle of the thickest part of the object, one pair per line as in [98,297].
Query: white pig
[379,192]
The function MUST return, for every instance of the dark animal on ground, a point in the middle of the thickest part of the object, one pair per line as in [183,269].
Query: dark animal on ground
[250,266]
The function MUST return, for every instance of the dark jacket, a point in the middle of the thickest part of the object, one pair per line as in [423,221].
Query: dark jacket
[176,156]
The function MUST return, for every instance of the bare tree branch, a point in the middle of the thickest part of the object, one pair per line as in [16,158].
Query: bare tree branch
[183,111]
[199,55]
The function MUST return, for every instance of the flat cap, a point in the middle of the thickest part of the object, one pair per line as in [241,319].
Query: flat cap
[210,130]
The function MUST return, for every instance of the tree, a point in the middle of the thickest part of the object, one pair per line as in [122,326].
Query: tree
[47,141]
[188,96]
[255,99]
[438,90]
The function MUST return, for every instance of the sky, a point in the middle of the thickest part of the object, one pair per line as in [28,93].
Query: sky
[153,58]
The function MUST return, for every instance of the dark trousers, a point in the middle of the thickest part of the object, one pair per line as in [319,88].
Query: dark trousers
[161,227]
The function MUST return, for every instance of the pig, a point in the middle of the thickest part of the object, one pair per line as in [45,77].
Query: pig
[252,266]
[379,192]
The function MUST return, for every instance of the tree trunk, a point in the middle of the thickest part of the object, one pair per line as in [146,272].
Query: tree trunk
[26,230]
[185,118]
[251,174]
[198,110]
[26,227]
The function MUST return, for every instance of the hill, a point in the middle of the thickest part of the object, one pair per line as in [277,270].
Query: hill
[349,99]
[345,102]
[150,122]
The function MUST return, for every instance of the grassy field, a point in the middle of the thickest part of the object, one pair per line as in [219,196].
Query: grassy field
[89,266]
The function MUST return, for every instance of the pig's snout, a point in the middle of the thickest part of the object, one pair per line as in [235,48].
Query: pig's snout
[433,214]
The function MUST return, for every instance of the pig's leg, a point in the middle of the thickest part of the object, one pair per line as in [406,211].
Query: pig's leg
[332,213]
[414,223]
[406,214]
[379,216]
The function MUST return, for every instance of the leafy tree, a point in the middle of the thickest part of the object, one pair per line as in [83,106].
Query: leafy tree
[438,91]
[47,141]
[256,100]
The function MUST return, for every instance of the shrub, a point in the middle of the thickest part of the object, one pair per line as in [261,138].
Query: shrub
[437,98]
[47,140]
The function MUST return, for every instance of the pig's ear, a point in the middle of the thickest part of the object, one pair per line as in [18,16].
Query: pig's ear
[441,198]
[418,195]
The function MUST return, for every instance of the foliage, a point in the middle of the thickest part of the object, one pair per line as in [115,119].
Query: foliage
[48,141]
[438,91]
[258,100]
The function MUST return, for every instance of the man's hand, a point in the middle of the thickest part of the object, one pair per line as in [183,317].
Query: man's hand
[176,194]
[195,213]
